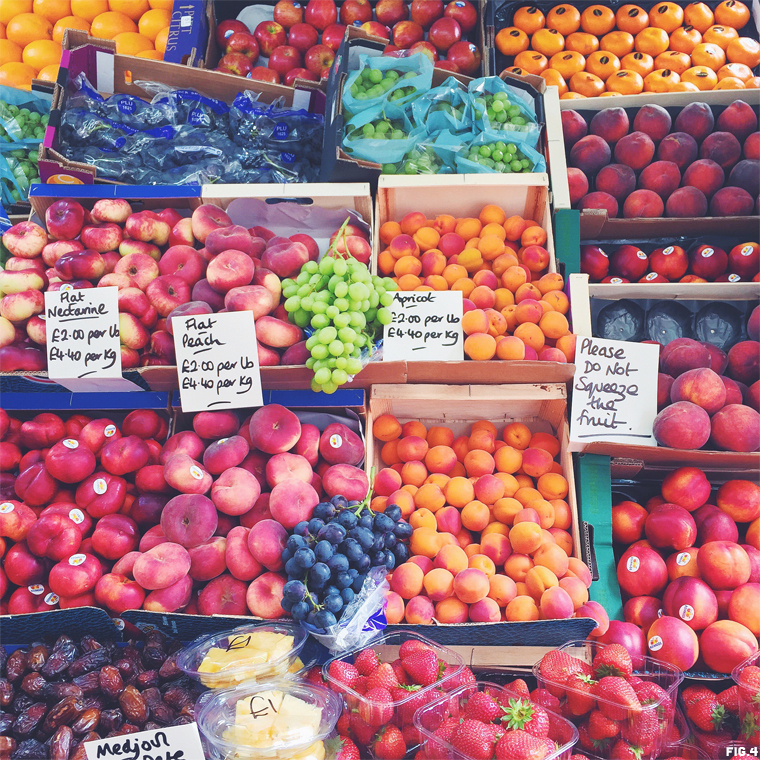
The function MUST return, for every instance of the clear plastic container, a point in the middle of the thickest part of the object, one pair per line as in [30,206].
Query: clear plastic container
[428,718]
[749,697]
[250,652]
[663,674]
[387,647]
[281,719]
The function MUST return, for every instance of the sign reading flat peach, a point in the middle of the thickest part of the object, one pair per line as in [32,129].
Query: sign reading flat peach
[614,393]
[170,743]
[83,344]
[426,326]
[217,361]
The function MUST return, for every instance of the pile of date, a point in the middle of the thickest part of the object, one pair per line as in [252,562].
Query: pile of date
[55,697]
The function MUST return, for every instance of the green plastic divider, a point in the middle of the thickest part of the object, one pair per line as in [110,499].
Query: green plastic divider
[567,239]
[596,509]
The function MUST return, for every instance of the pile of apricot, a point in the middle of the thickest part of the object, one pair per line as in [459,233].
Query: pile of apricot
[603,52]
[491,524]
[514,308]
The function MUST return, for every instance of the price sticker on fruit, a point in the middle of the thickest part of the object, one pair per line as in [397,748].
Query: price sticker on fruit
[83,346]
[614,393]
[425,327]
[170,743]
[217,361]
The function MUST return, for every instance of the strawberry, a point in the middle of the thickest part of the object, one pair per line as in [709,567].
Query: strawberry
[613,660]
[713,744]
[707,715]
[578,757]
[555,668]
[692,694]
[361,731]
[596,746]
[497,731]
[412,645]
[635,681]
[545,698]
[483,707]
[729,698]
[643,730]
[366,661]
[360,685]
[600,727]
[314,675]
[650,693]
[520,745]
[342,748]
[519,687]
[344,723]
[750,728]
[382,677]
[376,709]
[412,736]
[344,673]
[464,677]
[413,698]
[473,739]
[749,678]
[550,744]
[422,666]
[580,693]
[389,744]
[436,744]
[622,750]
[401,675]
[617,699]
[522,714]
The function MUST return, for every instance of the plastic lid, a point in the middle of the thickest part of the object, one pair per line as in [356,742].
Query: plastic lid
[278,719]
[253,652]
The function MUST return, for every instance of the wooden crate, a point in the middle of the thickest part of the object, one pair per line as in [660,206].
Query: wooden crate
[543,408]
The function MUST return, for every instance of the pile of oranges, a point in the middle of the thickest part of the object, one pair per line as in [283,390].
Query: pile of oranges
[31,32]
[603,52]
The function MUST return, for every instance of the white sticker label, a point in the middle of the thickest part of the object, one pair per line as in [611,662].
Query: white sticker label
[119,623]
[77,559]
[651,276]
[196,472]
[6,507]
[641,255]
[603,253]
[659,613]
[100,486]
[222,440]
[336,441]
[67,288]
[734,278]
[36,589]
[179,742]
[51,599]
[707,252]
[70,443]
[683,558]
[109,431]
[77,516]
[616,280]
[746,250]
[667,251]
[655,644]
[633,564]
[686,612]
[186,22]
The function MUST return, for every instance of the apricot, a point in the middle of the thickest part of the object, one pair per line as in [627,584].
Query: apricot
[489,489]
[536,462]
[440,459]
[439,584]
[471,550]
[521,608]
[386,428]
[471,585]
[475,515]
[552,557]
[525,537]
[552,486]
[451,610]
[496,547]
[483,440]
[425,541]
[483,563]
[419,611]
[538,579]
[504,510]
[394,608]
[526,493]
[404,500]
[407,580]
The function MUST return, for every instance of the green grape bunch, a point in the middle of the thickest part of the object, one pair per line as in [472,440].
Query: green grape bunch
[499,156]
[380,129]
[345,306]
[372,83]
[21,122]
[500,112]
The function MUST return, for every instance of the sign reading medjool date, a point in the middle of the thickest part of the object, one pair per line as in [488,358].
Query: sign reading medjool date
[217,361]
[614,393]
[170,743]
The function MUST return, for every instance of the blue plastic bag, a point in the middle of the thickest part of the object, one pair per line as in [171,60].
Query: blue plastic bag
[362,141]
[499,158]
[446,107]
[503,111]
[23,118]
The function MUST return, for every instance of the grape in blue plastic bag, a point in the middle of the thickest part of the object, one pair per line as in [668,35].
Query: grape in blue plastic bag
[380,129]
[499,111]
[417,161]
[499,156]
[372,83]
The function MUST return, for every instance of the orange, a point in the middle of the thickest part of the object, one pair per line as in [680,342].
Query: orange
[744,50]
[2,31]
[752,83]
[729,83]
[42,53]
[602,64]
[720,35]
[702,77]
[515,70]
[641,63]
[626,82]
[107,25]
[685,39]
[732,13]
[529,19]
[531,62]
[69,22]
[708,54]
[661,80]
[161,40]
[652,41]
[667,16]
[736,70]
[165,5]
[547,41]
[674,61]
[88,9]
[154,21]
[511,41]
[631,19]
[11,8]
[553,77]
[10,52]
[685,87]
[598,20]
[132,43]
[52,10]
[586,84]
[19,75]
[28,27]
[132,8]
[571,96]
[619,43]
[582,43]
[568,63]
[565,18]
[699,16]
[49,73]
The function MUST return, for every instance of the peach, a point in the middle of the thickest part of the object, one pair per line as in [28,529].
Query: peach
[682,425]
[16,519]
[525,537]
[439,584]
[471,585]
[635,150]
[347,480]
[617,180]
[186,475]
[745,175]
[339,444]
[590,154]
[669,639]
[736,428]
[643,203]
[187,442]
[744,606]
[152,537]
[208,560]
[739,119]
[662,177]
[55,536]
[556,604]
[642,610]
[75,575]
[642,571]
[740,500]
[702,387]
[225,453]
[24,568]
[678,147]
[725,644]
[170,599]
[731,201]
[307,445]
[683,354]
[161,566]
[691,600]
[721,147]
[274,429]
[611,124]
[686,202]
[238,558]
[408,580]
[744,362]
[224,595]
[705,175]
[189,519]
[696,119]
[723,565]
[118,593]
[264,596]
[683,564]
[115,536]
[600,200]
[266,541]
[574,127]
[578,184]
[282,467]
[235,491]
[715,525]
[628,522]
[35,485]
[686,486]
[292,500]
[669,526]
[653,120]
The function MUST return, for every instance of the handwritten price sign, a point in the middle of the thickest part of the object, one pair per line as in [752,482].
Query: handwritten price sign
[426,327]
[170,743]
[217,361]
[614,393]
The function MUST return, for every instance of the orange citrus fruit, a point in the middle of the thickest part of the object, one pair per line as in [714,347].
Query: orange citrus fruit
[603,64]
[532,62]
[567,63]
[626,82]
[699,16]
[619,43]
[162,38]
[598,20]
[41,53]
[52,10]
[152,22]
[19,75]
[547,41]
[667,16]
[69,22]
[10,52]
[703,77]
[107,25]
[732,13]
[132,8]
[631,19]
[164,5]
[652,41]
[641,63]
[28,27]
[582,42]
[152,54]
[11,8]
[49,73]
[565,18]
[685,39]
[744,50]
[674,61]
[553,77]
[88,9]
[511,40]
[729,83]
[720,35]
[586,84]
[736,70]
[529,19]
[708,54]
[662,80]
[132,43]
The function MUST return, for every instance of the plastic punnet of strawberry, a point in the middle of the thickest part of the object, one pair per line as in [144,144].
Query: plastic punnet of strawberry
[620,711]
[483,720]
[747,677]
[386,682]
